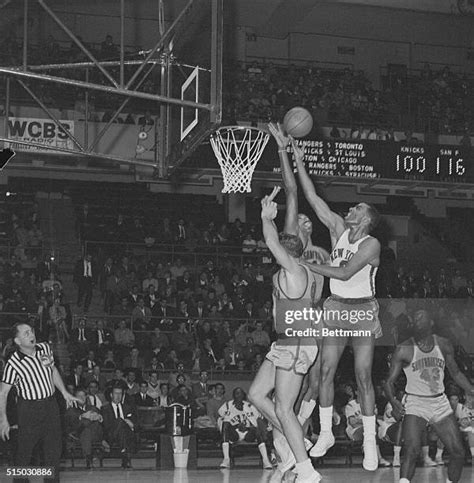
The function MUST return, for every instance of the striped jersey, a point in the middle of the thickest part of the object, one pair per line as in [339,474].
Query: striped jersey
[362,283]
[425,373]
[32,375]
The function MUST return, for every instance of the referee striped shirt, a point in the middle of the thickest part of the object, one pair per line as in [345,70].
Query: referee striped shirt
[32,378]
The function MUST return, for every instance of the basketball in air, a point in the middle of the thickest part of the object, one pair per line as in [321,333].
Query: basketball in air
[298,122]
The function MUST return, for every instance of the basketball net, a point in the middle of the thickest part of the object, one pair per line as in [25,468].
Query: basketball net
[238,150]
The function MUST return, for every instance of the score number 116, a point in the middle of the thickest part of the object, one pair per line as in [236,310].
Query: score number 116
[444,167]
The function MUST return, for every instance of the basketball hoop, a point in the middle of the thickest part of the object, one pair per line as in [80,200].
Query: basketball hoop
[238,149]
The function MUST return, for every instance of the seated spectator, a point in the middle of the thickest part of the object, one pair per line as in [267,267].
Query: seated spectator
[182,342]
[101,337]
[89,362]
[151,298]
[180,381]
[177,269]
[109,361]
[260,337]
[142,399]
[249,244]
[155,364]
[200,392]
[134,360]
[96,376]
[117,380]
[124,309]
[108,50]
[119,425]
[83,421]
[149,280]
[57,321]
[124,337]
[76,379]
[206,332]
[131,381]
[94,396]
[240,421]
[158,341]
[153,385]
[174,375]
[164,399]
[215,402]
[185,398]
[141,315]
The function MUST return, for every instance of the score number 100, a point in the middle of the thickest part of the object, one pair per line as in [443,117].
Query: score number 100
[417,165]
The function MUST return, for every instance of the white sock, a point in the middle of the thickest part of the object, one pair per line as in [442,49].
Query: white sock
[404,480]
[369,427]
[306,410]
[425,451]
[472,451]
[439,453]
[325,418]
[396,451]
[225,450]
[263,451]
[304,468]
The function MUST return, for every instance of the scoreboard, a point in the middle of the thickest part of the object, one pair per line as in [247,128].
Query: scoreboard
[380,159]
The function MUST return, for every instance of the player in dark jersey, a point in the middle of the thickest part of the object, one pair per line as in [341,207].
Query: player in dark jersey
[423,358]
[299,224]
[290,356]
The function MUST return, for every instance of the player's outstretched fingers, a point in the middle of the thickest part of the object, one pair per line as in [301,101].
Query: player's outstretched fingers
[275,191]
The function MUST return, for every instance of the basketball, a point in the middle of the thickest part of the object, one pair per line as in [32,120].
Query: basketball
[298,122]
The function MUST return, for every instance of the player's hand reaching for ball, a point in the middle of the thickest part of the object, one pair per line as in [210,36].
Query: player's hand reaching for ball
[269,207]
[280,136]
[297,151]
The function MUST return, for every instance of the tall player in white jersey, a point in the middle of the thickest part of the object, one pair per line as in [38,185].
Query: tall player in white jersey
[354,259]
[424,358]
[300,224]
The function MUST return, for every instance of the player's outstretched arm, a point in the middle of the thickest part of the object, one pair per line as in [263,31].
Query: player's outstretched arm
[459,378]
[332,220]
[368,253]
[270,233]
[289,181]
[396,366]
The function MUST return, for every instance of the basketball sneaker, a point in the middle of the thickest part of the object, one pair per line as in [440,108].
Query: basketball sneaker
[371,460]
[325,441]
[225,463]
[429,462]
[439,460]
[313,477]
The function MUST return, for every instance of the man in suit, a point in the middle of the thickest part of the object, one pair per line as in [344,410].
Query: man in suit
[141,315]
[199,311]
[89,362]
[162,315]
[97,377]
[133,296]
[84,276]
[94,396]
[151,298]
[142,399]
[46,268]
[76,379]
[116,285]
[83,421]
[102,338]
[200,392]
[106,272]
[119,425]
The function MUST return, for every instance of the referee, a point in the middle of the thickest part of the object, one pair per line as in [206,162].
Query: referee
[31,369]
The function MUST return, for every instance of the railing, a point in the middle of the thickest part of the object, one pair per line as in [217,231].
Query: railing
[195,257]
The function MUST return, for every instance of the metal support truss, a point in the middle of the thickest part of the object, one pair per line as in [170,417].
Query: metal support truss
[159,54]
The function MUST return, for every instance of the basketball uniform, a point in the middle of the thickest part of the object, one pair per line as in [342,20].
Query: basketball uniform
[293,353]
[248,415]
[425,387]
[352,304]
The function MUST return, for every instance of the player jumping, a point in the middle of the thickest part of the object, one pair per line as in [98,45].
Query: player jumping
[301,225]
[423,359]
[354,261]
[289,358]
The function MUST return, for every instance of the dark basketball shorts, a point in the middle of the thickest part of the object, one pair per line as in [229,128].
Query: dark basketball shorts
[352,315]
